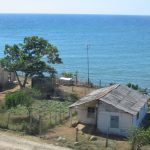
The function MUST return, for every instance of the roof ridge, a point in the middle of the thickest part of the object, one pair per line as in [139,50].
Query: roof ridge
[115,86]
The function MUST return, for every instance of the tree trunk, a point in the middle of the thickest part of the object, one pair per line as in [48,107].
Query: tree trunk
[25,80]
[20,84]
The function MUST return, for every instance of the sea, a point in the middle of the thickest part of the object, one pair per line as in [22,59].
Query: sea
[118,46]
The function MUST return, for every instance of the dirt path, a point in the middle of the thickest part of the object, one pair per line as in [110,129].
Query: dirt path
[2,94]
[12,142]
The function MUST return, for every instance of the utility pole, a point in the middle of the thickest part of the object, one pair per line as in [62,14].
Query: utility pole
[76,76]
[88,63]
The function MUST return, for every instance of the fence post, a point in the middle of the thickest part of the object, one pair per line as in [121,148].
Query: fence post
[30,121]
[50,118]
[70,115]
[8,119]
[77,134]
[40,124]
[107,138]
[55,118]
[59,114]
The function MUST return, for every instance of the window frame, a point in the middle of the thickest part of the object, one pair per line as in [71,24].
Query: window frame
[114,121]
[91,111]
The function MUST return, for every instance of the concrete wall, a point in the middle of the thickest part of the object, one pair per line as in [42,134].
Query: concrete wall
[105,112]
[82,114]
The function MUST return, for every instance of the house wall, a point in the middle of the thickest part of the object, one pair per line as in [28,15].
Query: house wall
[137,121]
[105,111]
[82,114]
[4,76]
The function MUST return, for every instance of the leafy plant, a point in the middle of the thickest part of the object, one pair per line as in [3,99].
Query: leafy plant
[139,137]
[68,74]
[17,98]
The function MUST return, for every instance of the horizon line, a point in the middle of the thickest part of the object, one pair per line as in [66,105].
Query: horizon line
[26,13]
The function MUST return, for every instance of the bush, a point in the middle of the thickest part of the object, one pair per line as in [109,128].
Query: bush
[139,137]
[17,98]
[68,74]
[72,97]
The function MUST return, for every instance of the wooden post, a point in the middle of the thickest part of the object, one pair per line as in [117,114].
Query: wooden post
[59,114]
[107,138]
[30,122]
[50,118]
[85,91]
[40,124]
[70,115]
[8,119]
[63,115]
[55,118]
[76,75]
[100,83]
[77,134]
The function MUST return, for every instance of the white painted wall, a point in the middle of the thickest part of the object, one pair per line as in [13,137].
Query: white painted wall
[104,116]
[105,111]
[82,114]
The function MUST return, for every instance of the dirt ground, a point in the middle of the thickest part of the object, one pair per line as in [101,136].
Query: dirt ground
[9,141]
[69,133]
[79,90]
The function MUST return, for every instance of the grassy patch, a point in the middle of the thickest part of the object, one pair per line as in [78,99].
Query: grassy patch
[50,112]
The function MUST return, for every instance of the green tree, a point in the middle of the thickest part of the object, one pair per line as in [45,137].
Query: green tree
[68,74]
[28,56]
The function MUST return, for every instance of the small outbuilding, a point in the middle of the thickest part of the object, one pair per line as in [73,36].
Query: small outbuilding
[46,85]
[6,77]
[65,81]
[112,109]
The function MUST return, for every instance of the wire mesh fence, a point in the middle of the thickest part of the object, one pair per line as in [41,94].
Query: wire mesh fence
[44,115]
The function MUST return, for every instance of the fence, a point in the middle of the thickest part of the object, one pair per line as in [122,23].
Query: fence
[38,121]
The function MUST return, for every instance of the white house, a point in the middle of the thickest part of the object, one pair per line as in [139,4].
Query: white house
[112,109]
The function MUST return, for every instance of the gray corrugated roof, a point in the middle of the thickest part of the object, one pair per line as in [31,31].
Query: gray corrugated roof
[119,96]
[95,95]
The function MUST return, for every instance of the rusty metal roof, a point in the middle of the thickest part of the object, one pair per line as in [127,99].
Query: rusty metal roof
[119,96]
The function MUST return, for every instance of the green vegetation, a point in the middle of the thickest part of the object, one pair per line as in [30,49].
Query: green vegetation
[136,87]
[68,74]
[50,112]
[23,112]
[17,98]
[139,137]
[27,57]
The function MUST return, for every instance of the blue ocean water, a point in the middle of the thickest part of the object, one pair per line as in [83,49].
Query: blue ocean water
[119,45]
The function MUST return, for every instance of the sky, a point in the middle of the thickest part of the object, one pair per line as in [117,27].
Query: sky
[121,7]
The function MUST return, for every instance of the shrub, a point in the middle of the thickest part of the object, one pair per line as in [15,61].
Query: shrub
[17,98]
[139,137]
[68,74]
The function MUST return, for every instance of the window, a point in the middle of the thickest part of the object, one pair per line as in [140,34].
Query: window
[137,116]
[91,112]
[114,121]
